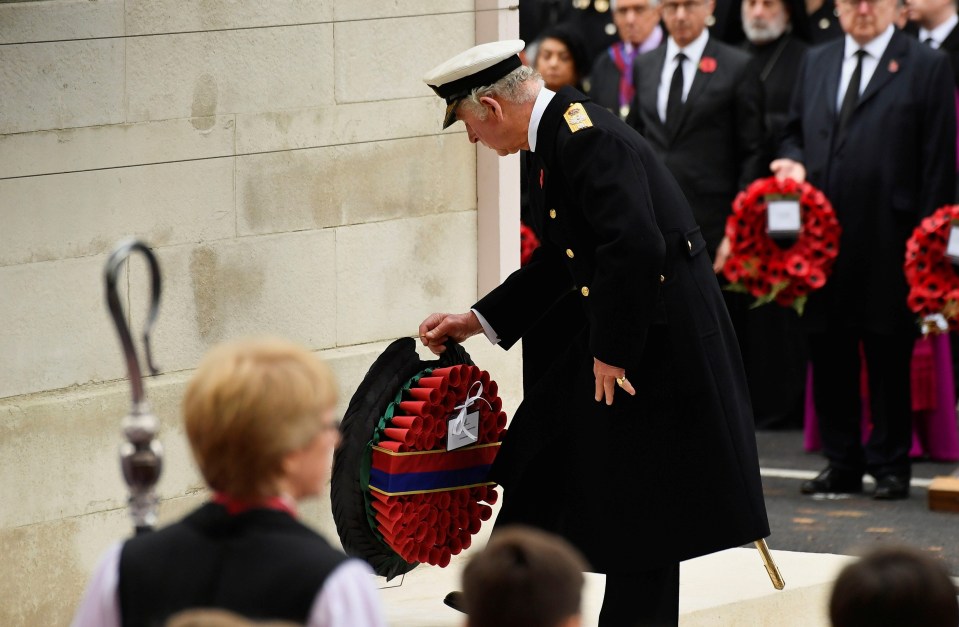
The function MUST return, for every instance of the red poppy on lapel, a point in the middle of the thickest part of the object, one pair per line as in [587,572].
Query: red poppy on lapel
[707,65]
[541,179]
[893,66]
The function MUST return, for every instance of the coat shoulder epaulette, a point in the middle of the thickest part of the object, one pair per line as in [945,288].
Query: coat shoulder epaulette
[576,117]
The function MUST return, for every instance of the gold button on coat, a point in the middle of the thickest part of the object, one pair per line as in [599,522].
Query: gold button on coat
[690,244]
[584,291]
[569,253]
[552,213]
[662,279]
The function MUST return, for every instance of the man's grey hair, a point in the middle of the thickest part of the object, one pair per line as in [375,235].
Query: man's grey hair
[518,87]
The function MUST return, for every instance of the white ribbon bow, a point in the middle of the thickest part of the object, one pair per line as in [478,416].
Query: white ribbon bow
[458,425]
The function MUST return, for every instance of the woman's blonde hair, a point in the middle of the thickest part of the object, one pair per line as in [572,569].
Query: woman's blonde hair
[249,404]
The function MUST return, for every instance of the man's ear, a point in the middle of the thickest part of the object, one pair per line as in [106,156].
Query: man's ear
[493,105]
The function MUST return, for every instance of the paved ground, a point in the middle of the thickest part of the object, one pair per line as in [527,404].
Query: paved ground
[848,525]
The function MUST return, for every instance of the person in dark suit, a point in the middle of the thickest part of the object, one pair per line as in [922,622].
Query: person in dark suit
[618,233]
[938,28]
[699,109]
[772,340]
[823,21]
[873,125]
[725,23]
[536,15]
[777,36]
[611,79]
[593,20]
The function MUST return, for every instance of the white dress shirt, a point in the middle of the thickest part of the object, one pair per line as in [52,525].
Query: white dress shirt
[544,97]
[874,50]
[694,53]
[939,33]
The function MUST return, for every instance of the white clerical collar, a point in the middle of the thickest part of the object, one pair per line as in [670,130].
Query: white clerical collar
[693,50]
[939,33]
[542,99]
[874,48]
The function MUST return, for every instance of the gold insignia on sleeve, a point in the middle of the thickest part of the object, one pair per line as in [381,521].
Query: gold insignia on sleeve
[576,117]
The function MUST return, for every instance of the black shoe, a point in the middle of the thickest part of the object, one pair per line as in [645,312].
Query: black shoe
[456,601]
[891,488]
[833,480]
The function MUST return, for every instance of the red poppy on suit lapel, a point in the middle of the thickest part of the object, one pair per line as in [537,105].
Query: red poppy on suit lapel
[707,65]
[541,176]
[893,66]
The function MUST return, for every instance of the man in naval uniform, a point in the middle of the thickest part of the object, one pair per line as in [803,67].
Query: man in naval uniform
[637,445]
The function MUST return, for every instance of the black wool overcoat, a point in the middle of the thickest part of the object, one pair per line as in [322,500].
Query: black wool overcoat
[671,473]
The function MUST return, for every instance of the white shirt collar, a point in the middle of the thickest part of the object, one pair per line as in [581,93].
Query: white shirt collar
[542,99]
[940,32]
[693,50]
[875,47]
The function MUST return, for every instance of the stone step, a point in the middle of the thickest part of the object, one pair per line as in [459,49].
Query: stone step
[723,589]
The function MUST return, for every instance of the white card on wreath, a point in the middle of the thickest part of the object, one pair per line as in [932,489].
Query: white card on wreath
[467,434]
[952,248]
[783,217]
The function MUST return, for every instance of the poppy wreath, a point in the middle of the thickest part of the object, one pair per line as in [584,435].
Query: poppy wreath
[757,265]
[425,502]
[930,274]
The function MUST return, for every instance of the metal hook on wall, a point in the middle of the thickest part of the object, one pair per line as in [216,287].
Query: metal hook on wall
[141,456]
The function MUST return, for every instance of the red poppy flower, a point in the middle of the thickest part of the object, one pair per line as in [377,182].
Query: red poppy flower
[798,266]
[931,286]
[733,270]
[816,278]
[916,302]
[777,271]
[707,65]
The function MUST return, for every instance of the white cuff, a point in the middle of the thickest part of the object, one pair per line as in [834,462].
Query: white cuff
[487,329]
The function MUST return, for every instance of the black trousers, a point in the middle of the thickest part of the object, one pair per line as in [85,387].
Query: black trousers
[645,599]
[836,390]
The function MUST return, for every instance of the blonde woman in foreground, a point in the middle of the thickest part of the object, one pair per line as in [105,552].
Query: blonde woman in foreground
[259,419]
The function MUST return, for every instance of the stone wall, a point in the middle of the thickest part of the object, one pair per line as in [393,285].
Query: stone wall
[283,159]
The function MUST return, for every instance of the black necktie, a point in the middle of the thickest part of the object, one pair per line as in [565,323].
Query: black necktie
[930,42]
[851,99]
[674,102]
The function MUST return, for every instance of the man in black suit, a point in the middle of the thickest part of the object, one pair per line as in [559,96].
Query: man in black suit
[938,23]
[939,29]
[618,233]
[611,79]
[873,125]
[774,346]
[699,109]
[777,36]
